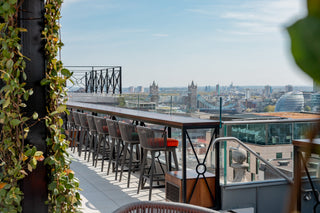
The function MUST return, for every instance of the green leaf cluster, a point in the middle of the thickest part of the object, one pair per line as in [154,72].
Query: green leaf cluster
[305,41]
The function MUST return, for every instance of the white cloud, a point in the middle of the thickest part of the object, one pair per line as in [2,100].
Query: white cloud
[263,16]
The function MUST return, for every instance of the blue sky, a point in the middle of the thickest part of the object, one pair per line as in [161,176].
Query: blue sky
[176,41]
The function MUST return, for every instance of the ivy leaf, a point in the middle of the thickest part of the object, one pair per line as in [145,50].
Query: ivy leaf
[29,167]
[2,25]
[6,6]
[35,116]
[15,122]
[44,82]
[61,108]
[24,172]
[6,103]
[66,72]
[305,45]
[9,64]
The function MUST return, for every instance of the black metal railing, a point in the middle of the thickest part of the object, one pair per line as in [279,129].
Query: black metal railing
[96,79]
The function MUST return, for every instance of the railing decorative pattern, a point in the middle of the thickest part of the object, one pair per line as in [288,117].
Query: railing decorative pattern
[96,79]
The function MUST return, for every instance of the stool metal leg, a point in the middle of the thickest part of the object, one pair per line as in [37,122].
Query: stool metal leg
[144,161]
[152,172]
[125,150]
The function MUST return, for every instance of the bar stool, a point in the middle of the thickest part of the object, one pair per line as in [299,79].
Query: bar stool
[130,137]
[77,129]
[103,137]
[71,130]
[84,136]
[92,138]
[115,147]
[151,142]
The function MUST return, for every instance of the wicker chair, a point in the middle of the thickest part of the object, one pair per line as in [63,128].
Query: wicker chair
[103,138]
[115,147]
[151,142]
[71,130]
[167,207]
[130,138]
[92,138]
[77,129]
[84,136]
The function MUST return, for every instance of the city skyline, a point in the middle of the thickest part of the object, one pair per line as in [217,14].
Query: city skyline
[175,42]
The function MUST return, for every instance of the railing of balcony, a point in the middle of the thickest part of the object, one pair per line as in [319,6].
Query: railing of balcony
[96,79]
[270,139]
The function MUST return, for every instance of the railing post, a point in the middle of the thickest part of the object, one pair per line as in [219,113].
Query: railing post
[34,186]
[113,81]
[86,82]
[120,84]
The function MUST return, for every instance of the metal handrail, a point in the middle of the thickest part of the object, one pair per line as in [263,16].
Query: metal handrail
[218,140]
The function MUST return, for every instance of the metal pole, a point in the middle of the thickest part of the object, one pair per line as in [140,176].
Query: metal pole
[184,166]
[34,186]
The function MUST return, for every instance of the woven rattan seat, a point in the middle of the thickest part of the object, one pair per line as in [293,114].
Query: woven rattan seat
[84,135]
[115,148]
[130,138]
[92,138]
[71,129]
[103,140]
[77,129]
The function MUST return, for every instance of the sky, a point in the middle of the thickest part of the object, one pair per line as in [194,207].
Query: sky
[175,42]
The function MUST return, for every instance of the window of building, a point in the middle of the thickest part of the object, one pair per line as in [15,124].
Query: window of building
[279,155]
[253,177]
[230,157]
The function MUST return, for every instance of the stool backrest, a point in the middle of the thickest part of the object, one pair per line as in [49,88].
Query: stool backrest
[100,124]
[70,118]
[83,120]
[91,124]
[148,139]
[113,128]
[128,132]
[76,118]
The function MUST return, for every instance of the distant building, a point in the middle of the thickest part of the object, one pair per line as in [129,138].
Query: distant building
[154,92]
[217,89]
[140,89]
[131,89]
[267,91]
[247,95]
[289,88]
[192,97]
[315,102]
[290,102]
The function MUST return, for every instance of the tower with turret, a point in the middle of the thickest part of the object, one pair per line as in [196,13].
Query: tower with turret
[154,93]
[192,97]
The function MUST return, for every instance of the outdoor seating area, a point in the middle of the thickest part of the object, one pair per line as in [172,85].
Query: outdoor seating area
[118,143]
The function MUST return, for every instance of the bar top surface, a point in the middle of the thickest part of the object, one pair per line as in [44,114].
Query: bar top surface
[144,116]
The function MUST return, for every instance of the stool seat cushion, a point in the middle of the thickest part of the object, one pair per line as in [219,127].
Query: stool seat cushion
[105,128]
[170,142]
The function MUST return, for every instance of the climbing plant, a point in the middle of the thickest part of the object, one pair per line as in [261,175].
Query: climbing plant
[16,158]
[63,186]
